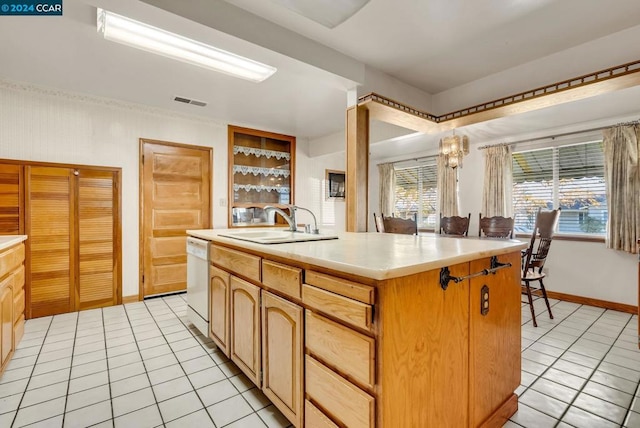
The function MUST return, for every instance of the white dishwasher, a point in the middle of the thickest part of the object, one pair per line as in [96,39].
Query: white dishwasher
[198,283]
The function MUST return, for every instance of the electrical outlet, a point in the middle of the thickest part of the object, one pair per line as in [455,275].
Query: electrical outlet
[545,270]
[222,202]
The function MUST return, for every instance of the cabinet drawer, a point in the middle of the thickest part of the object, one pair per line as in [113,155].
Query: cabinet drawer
[240,263]
[11,259]
[283,278]
[344,401]
[18,305]
[348,351]
[18,280]
[353,290]
[314,418]
[348,310]
[18,331]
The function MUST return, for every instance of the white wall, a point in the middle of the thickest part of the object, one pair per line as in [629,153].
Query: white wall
[311,190]
[51,126]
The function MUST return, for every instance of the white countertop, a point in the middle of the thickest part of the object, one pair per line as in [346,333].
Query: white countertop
[7,241]
[377,255]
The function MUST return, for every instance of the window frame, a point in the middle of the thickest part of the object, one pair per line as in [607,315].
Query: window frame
[555,146]
[432,162]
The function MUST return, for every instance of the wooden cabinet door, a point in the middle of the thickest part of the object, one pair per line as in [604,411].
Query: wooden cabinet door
[219,308]
[11,200]
[175,195]
[98,240]
[6,317]
[245,328]
[50,225]
[282,366]
[494,338]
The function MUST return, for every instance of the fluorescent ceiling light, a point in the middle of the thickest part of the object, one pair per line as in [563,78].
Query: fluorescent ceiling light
[123,30]
[328,13]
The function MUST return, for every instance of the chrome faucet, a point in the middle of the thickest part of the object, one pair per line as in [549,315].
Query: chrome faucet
[291,218]
[307,229]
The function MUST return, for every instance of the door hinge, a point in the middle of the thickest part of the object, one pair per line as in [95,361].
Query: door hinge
[142,158]
[143,279]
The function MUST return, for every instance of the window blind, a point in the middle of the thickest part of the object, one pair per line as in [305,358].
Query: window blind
[416,193]
[570,177]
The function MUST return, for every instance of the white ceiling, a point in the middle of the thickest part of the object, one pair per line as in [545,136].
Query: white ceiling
[436,45]
[433,45]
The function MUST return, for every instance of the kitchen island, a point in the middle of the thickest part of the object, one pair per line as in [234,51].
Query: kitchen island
[372,330]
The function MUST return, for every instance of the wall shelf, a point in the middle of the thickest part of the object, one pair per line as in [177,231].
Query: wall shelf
[261,173]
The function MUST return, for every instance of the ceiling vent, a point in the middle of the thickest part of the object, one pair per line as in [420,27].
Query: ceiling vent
[188,101]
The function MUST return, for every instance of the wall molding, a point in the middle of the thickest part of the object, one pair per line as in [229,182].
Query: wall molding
[103,101]
[621,307]
[130,299]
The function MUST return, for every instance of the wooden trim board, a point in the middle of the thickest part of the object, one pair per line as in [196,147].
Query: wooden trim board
[130,299]
[622,307]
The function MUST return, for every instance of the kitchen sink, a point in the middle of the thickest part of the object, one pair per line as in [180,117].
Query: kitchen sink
[275,236]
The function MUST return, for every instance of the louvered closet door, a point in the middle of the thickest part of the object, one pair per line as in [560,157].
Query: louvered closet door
[49,211]
[97,239]
[11,222]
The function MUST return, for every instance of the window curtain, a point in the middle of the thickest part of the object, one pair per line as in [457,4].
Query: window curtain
[496,193]
[387,188]
[622,181]
[447,188]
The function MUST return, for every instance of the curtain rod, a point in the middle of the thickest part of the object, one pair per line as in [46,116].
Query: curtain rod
[409,159]
[584,131]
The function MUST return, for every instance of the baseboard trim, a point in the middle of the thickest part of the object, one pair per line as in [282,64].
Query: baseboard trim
[622,307]
[502,414]
[130,299]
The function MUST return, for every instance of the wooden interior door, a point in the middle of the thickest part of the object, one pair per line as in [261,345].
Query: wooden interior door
[175,195]
[50,226]
[11,199]
[99,264]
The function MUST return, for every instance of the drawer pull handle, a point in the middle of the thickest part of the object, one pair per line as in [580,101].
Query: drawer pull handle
[446,277]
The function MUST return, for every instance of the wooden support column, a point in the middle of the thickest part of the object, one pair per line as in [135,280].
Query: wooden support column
[357,196]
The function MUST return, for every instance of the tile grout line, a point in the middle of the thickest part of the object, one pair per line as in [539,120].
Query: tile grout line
[556,325]
[32,370]
[126,313]
[106,356]
[180,362]
[202,345]
[75,332]
[558,358]
[591,375]
[536,341]
[191,332]
[635,393]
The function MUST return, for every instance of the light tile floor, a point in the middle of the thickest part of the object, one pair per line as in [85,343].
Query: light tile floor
[138,365]
[581,369]
[143,365]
